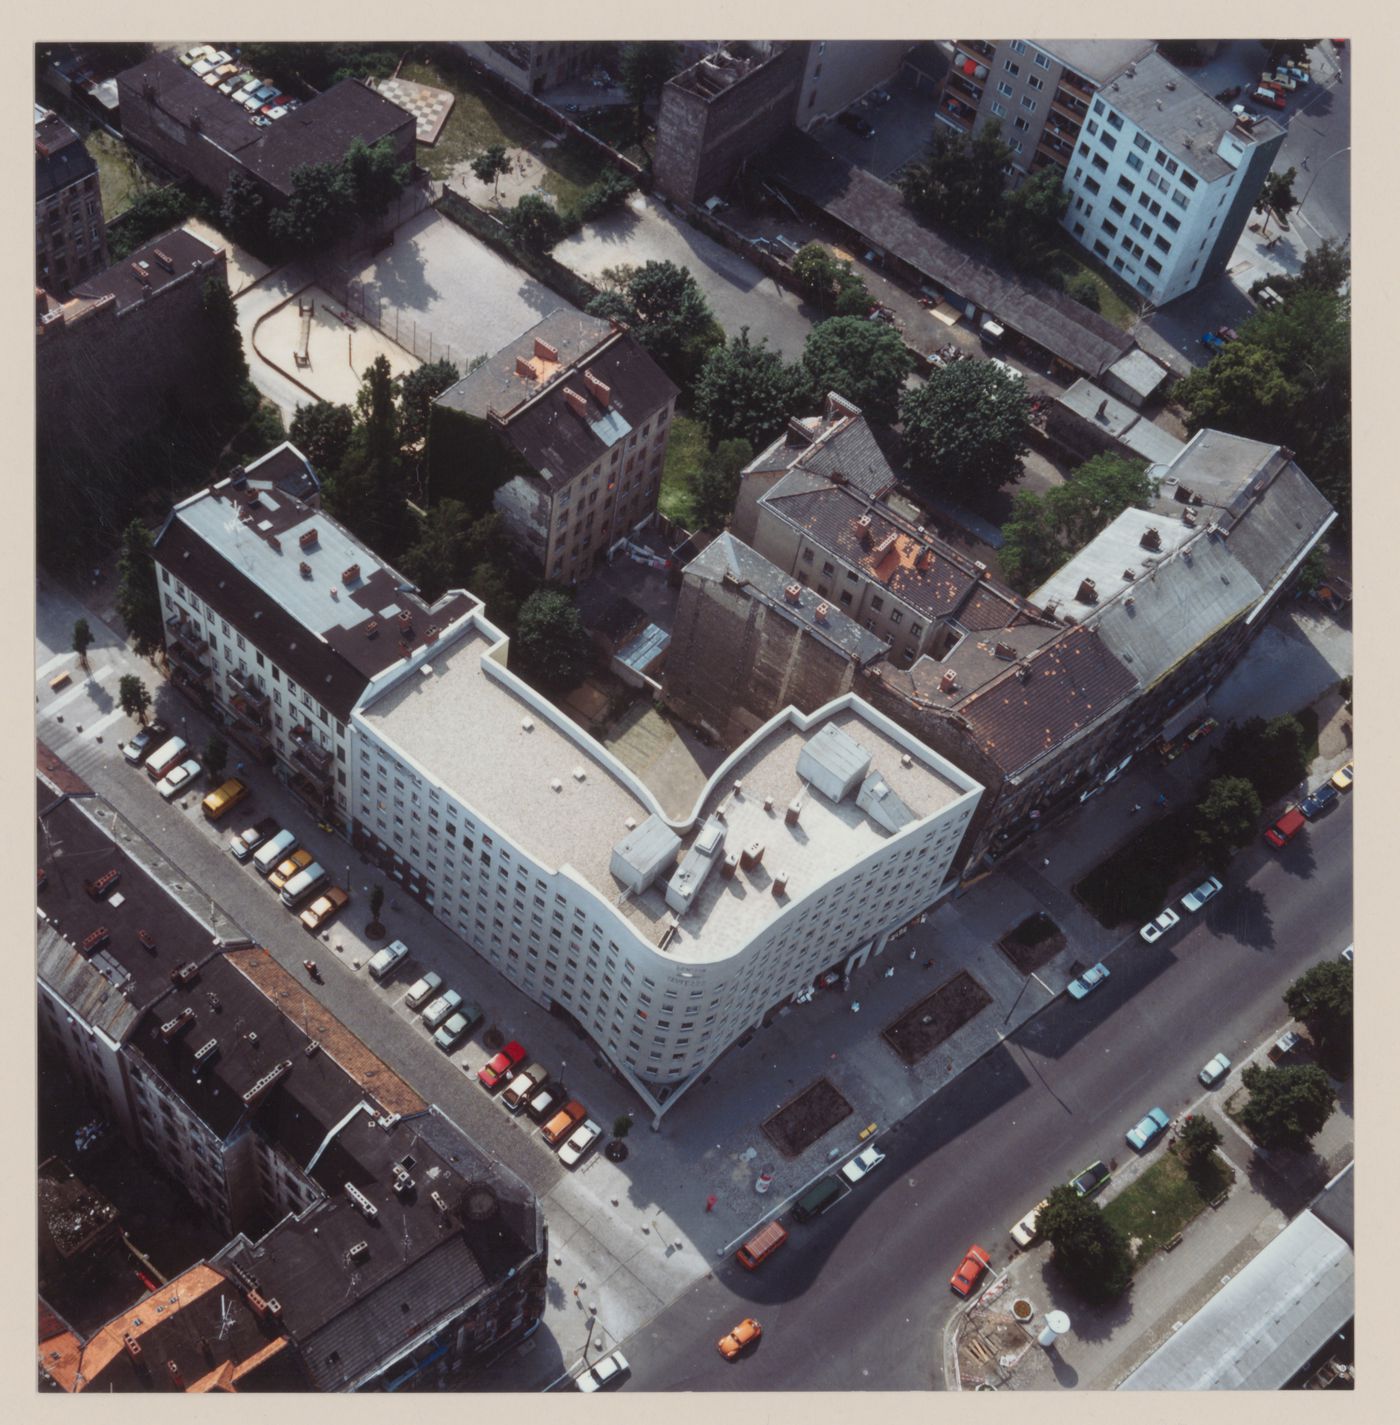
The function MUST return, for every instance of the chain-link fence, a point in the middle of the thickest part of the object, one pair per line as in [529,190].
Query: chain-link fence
[404,327]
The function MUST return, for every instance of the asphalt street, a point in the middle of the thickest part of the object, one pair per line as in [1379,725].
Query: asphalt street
[859,1299]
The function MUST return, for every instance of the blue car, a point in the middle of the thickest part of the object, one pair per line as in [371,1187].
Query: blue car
[1088,982]
[1141,1134]
[1209,339]
[1317,802]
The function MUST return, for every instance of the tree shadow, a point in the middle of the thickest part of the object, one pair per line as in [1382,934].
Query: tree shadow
[1244,916]
[1091,1320]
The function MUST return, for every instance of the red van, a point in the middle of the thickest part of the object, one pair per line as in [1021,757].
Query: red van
[1285,828]
[762,1245]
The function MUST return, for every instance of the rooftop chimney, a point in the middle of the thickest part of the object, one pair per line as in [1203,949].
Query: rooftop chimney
[823,609]
[308,539]
[545,351]
[1087,593]
[164,259]
[599,390]
[793,593]
[523,368]
[1151,538]
[1102,413]
[1005,651]
[350,575]
[981,568]
[142,276]
[305,569]
[948,683]
[577,404]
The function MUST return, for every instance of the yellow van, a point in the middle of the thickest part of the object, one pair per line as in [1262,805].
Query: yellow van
[223,799]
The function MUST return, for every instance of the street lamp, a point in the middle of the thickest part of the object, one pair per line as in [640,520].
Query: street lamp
[1318,171]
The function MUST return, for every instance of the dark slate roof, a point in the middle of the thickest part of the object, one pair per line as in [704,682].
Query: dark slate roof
[1336,1205]
[921,570]
[1072,682]
[60,157]
[186,253]
[285,468]
[183,96]
[853,454]
[1087,341]
[728,557]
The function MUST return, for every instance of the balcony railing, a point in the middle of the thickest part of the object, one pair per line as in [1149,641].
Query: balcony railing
[982,47]
[316,760]
[1076,83]
[1070,107]
[956,109]
[965,86]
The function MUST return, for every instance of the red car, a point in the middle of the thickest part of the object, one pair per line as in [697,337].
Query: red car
[1285,828]
[967,1276]
[495,1074]
[1271,97]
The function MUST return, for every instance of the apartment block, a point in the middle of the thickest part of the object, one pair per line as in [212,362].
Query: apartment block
[70,232]
[278,617]
[1161,176]
[572,420]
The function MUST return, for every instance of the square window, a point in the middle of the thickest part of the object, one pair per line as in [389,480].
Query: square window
[1028,104]
[998,109]
[1117,264]
[1102,249]
[1100,162]
[1141,141]
[1109,142]
[1004,88]
[1092,184]
[1153,265]
[1134,162]
[1093,129]
[897,616]
[1126,185]
[1020,124]
[1111,229]
[1035,82]
[1115,206]
[877,603]
[1011,68]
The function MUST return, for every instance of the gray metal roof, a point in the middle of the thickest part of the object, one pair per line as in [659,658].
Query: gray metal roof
[1098,60]
[1128,427]
[1265,1323]
[1139,372]
[1336,1205]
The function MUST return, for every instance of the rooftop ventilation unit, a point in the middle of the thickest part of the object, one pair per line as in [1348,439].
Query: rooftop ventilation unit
[305,569]
[579,774]
[556,785]
[527,724]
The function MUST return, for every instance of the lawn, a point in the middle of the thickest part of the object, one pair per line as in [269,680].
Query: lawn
[685,454]
[1116,303]
[1132,884]
[1164,1200]
[119,173]
[480,119]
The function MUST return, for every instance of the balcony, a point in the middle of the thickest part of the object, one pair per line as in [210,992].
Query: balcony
[312,795]
[1069,108]
[250,709]
[982,47]
[316,761]
[187,658]
[965,67]
[1076,84]
[963,114]
[1055,148]
[959,84]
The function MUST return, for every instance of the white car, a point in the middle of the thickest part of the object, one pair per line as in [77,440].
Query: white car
[1088,982]
[579,1142]
[1194,900]
[1025,1231]
[181,776]
[1214,1071]
[421,991]
[1155,929]
[387,958]
[210,62]
[863,1162]
[602,1373]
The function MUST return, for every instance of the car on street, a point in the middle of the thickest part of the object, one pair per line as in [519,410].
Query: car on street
[324,907]
[1344,776]
[857,123]
[564,1122]
[385,960]
[144,741]
[1319,800]
[260,121]
[178,777]
[965,1279]
[299,860]
[193,56]
[1025,1231]
[1279,80]
[209,63]
[864,1162]
[1141,1134]
[1156,929]
[523,1086]
[1194,900]
[881,96]
[1271,97]
[544,1103]
[579,1142]
[423,989]
[609,1371]
[236,83]
[744,1334]
[445,1005]
[496,1071]
[1088,982]
[1091,1179]
[1285,828]
[1214,1071]
[447,1036]
[1212,342]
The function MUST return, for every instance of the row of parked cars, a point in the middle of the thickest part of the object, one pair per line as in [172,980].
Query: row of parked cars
[443,1011]
[291,869]
[220,70]
[566,1127]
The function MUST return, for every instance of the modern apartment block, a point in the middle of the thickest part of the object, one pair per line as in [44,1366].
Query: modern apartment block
[1161,176]
[663,934]
[280,618]
[70,232]
[570,424]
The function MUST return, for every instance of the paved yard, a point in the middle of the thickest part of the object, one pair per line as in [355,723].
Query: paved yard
[738,292]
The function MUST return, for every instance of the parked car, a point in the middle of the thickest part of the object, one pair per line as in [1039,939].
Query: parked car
[1318,800]
[1141,1134]
[1214,1071]
[244,88]
[881,96]
[209,63]
[447,1036]
[864,1162]
[447,1003]
[564,1122]
[497,1070]
[1284,1045]
[422,990]
[279,112]
[193,56]
[1271,97]
[387,958]
[1344,776]
[324,907]
[1194,900]
[1279,80]
[1025,1231]
[1227,333]
[544,1103]
[1088,982]
[857,123]
[256,98]
[247,841]
[260,121]
[298,861]
[215,77]
[236,83]
[1091,1180]
[144,741]
[1209,339]
[1285,828]
[609,1371]
[1156,929]
[275,102]
[523,1085]
[178,777]
[222,800]
[579,1142]
[964,1280]
[744,1334]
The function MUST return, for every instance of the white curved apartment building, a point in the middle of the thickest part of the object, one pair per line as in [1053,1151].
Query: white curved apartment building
[666,940]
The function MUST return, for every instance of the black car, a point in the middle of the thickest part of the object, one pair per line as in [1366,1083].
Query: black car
[857,124]
[1091,1179]
[1317,802]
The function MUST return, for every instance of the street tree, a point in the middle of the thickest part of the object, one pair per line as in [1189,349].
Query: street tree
[967,428]
[554,647]
[866,362]
[1026,229]
[366,492]
[1092,1253]
[1227,818]
[489,584]
[643,69]
[533,225]
[1287,1105]
[243,211]
[322,431]
[831,283]
[1276,197]
[215,757]
[376,904]
[373,176]
[1321,998]
[716,484]
[1197,1139]
[746,390]
[82,640]
[138,597]
[322,198]
[134,697]
[491,165]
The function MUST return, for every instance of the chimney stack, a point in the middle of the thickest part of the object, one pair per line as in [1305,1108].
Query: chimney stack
[1087,593]
[1151,538]
[545,351]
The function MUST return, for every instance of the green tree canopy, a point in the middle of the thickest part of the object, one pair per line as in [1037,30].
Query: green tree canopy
[1089,1250]
[491,165]
[215,757]
[716,484]
[1321,998]
[533,225]
[138,597]
[668,314]
[434,561]
[322,431]
[967,429]
[831,283]
[223,343]
[373,176]
[643,69]
[746,390]
[82,640]
[417,392]
[551,641]
[866,362]
[315,215]
[243,211]
[366,492]
[1276,196]
[1226,819]
[1197,1139]
[959,181]
[1287,1106]
[134,697]
[153,212]
[1027,229]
